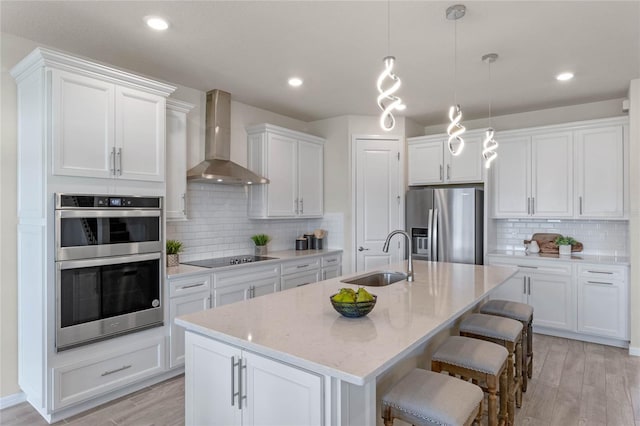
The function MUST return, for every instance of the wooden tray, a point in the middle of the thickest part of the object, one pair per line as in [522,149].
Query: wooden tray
[546,243]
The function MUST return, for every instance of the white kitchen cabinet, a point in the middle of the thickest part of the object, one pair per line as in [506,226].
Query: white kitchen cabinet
[232,286]
[548,286]
[600,170]
[533,175]
[237,387]
[294,164]
[603,301]
[176,170]
[105,130]
[331,266]
[431,162]
[300,279]
[299,272]
[186,295]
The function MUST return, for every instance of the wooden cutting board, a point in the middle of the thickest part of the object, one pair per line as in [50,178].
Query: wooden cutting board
[546,242]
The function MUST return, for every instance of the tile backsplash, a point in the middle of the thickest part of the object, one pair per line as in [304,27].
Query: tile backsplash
[218,225]
[599,237]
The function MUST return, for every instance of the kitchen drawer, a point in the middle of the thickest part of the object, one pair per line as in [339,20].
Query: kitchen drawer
[298,280]
[244,274]
[533,265]
[189,285]
[331,260]
[301,265]
[80,381]
[602,272]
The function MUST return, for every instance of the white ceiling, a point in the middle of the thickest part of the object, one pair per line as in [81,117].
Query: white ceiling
[251,48]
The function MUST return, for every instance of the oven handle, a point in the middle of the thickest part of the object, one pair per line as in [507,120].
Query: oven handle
[107,213]
[115,260]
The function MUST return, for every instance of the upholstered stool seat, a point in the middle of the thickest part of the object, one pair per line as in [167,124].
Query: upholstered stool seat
[427,398]
[523,313]
[505,332]
[483,362]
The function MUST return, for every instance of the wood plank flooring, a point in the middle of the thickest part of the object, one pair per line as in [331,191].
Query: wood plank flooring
[574,384]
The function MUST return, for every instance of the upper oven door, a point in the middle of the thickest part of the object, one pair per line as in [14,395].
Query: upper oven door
[84,234]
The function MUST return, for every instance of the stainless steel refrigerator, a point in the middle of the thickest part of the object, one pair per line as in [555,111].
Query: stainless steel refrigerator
[446,224]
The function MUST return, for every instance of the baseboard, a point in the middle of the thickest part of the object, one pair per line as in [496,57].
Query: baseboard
[584,337]
[633,351]
[11,400]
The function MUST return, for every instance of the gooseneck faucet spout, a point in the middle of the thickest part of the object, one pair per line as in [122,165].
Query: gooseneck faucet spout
[385,248]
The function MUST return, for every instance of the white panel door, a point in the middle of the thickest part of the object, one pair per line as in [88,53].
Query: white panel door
[602,307]
[278,394]
[552,175]
[82,127]
[176,170]
[283,174]
[377,202]
[209,381]
[553,301]
[181,306]
[140,135]
[265,286]
[511,174]
[231,294]
[310,178]
[425,163]
[599,162]
[466,167]
[513,289]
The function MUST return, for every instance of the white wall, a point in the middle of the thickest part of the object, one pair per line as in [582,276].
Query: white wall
[634,225]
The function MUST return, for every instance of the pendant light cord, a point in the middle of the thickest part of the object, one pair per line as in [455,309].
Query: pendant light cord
[388,27]
[490,98]
[455,61]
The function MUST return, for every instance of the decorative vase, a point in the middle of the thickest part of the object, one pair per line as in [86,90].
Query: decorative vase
[261,250]
[173,260]
[565,250]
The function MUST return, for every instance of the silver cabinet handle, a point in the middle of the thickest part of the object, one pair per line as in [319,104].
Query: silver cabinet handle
[191,286]
[448,171]
[331,260]
[302,266]
[124,367]
[296,205]
[524,285]
[440,171]
[301,205]
[233,381]
[184,204]
[599,282]
[119,162]
[533,205]
[241,366]
[580,202]
[528,205]
[112,161]
[362,248]
[525,266]
[300,285]
[529,280]
[600,272]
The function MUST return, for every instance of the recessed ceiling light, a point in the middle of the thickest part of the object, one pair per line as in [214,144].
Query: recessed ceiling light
[295,82]
[156,23]
[564,76]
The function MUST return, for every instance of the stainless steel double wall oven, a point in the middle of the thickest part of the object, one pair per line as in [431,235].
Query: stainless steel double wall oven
[108,266]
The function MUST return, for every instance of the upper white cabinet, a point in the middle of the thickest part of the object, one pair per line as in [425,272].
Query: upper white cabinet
[599,165]
[532,176]
[570,171]
[430,162]
[294,164]
[176,173]
[97,121]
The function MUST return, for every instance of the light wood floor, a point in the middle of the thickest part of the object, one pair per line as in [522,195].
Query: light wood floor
[574,383]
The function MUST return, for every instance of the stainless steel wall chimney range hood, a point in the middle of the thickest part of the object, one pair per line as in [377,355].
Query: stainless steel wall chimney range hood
[217,168]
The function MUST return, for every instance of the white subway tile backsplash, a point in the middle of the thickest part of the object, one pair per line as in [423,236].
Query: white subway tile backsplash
[599,237]
[218,225]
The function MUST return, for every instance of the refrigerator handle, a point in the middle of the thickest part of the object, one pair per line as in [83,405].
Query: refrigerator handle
[434,236]
[429,233]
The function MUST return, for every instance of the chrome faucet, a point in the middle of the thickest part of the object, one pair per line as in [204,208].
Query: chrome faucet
[385,248]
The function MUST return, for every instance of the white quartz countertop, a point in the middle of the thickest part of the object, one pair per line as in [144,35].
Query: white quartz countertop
[278,256]
[299,326]
[575,257]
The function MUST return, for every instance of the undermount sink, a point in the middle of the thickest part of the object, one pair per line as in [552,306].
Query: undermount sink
[377,278]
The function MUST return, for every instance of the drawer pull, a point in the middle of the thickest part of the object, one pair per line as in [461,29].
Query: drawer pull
[525,266]
[600,272]
[300,285]
[599,282]
[124,367]
[332,260]
[191,286]
[302,266]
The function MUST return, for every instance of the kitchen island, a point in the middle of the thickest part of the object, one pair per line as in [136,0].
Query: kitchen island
[290,358]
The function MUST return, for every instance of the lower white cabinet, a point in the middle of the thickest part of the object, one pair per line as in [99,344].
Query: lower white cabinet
[237,387]
[92,377]
[186,295]
[331,272]
[603,301]
[245,283]
[300,279]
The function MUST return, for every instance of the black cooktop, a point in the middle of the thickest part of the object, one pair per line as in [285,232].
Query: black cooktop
[226,261]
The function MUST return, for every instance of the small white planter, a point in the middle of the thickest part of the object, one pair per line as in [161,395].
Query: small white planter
[565,250]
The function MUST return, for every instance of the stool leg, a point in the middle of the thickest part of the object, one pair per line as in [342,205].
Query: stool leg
[492,389]
[523,356]
[478,420]
[386,416]
[510,383]
[519,374]
[530,348]
[504,397]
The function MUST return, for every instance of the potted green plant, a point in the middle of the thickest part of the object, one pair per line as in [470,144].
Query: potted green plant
[564,244]
[261,240]
[173,248]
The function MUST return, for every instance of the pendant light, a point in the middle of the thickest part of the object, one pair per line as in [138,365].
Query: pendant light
[489,144]
[455,129]
[387,100]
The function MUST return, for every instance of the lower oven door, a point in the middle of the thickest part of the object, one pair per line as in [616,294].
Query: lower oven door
[104,297]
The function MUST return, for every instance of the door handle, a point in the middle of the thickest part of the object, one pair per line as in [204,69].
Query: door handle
[529,280]
[296,205]
[233,381]
[580,199]
[528,205]
[524,285]
[440,171]
[533,205]
[448,171]
[301,205]
[362,248]
[112,161]
[119,162]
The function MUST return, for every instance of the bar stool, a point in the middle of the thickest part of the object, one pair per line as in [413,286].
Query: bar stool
[519,312]
[505,332]
[484,362]
[426,398]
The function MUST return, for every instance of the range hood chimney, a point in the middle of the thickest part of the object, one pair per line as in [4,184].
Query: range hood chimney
[217,168]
